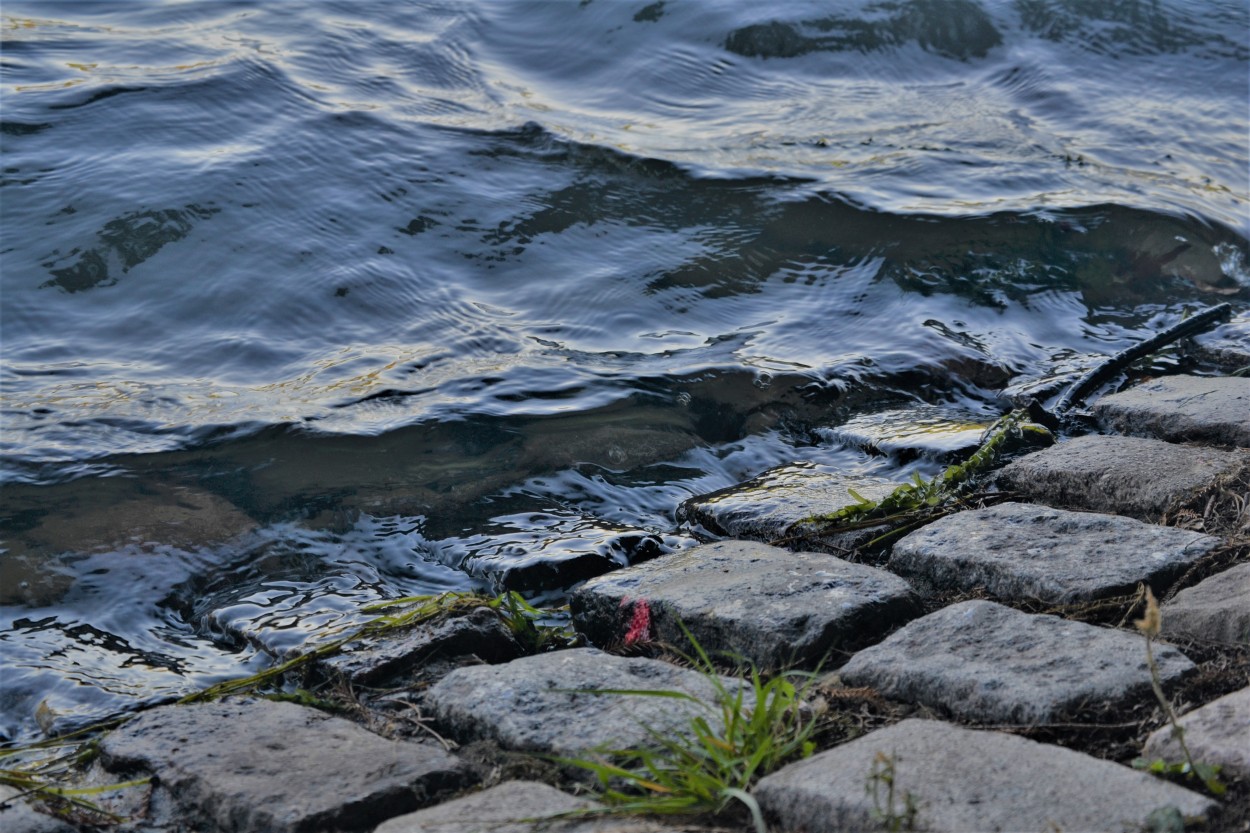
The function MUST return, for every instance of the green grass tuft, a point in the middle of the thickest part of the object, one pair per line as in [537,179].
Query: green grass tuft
[750,729]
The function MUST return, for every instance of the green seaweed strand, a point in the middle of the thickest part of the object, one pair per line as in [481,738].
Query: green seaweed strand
[921,495]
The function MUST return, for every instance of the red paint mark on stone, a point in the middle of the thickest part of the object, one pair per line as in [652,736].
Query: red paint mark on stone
[639,624]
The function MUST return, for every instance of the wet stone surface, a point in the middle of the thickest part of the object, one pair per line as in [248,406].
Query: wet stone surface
[1227,346]
[1182,409]
[1217,733]
[478,633]
[543,703]
[768,507]
[1022,551]
[964,780]
[761,603]
[982,661]
[907,433]
[1134,476]
[261,766]
[544,551]
[515,807]
[1216,609]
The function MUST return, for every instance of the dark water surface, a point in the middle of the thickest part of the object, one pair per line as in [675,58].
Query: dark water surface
[315,303]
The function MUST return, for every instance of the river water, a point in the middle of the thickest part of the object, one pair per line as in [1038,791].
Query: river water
[311,304]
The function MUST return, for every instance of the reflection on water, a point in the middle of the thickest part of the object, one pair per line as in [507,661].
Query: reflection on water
[310,307]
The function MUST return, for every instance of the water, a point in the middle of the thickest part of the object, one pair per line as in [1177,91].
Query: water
[308,305]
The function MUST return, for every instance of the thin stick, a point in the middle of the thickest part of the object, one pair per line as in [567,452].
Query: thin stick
[1109,367]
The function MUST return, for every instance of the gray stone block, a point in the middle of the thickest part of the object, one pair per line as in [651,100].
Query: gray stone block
[269,767]
[770,506]
[1214,610]
[1133,476]
[1217,733]
[965,780]
[371,661]
[1207,409]
[1024,551]
[516,807]
[767,605]
[543,703]
[981,661]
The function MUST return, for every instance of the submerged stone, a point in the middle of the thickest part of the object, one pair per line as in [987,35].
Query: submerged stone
[98,515]
[18,816]
[258,766]
[1022,551]
[1216,609]
[546,703]
[1141,478]
[917,431]
[985,662]
[626,440]
[763,604]
[517,807]
[1217,733]
[33,581]
[774,505]
[1208,409]
[959,780]
[1227,346]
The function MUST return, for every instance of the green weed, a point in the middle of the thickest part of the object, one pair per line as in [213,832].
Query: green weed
[39,778]
[920,501]
[525,621]
[748,730]
[881,787]
[530,625]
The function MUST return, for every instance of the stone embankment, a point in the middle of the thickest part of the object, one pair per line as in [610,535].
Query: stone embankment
[972,629]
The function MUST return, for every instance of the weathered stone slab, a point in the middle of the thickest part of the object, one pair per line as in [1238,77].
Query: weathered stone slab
[16,816]
[767,605]
[1207,409]
[985,662]
[541,703]
[1217,733]
[917,431]
[269,767]
[516,807]
[1023,551]
[1214,610]
[479,633]
[963,780]
[768,507]
[1132,476]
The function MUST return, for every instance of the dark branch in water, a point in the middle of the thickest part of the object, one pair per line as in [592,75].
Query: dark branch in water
[1109,367]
